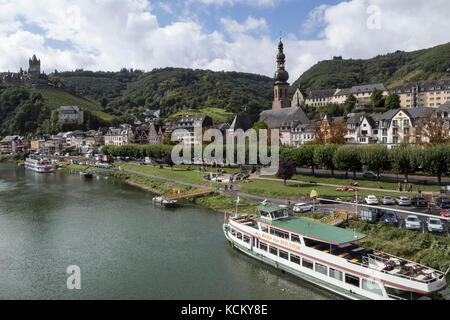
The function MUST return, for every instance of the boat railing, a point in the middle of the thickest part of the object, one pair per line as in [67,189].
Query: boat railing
[383,260]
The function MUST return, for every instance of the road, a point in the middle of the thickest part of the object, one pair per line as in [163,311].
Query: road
[387,177]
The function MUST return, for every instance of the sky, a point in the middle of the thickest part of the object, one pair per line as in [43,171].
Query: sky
[228,35]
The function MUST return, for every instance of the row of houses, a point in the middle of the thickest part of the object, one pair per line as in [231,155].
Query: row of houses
[390,128]
[426,94]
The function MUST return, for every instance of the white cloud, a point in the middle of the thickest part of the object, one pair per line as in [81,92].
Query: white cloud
[251,24]
[111,34]
[255,3]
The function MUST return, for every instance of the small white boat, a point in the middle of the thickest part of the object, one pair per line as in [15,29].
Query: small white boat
[40,165]
[165,203]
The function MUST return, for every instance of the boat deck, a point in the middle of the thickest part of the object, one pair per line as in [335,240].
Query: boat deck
[365,257]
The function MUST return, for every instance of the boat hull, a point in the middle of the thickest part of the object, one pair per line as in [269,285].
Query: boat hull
[289,270]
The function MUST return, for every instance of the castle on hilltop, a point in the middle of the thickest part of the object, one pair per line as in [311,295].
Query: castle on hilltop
[33,78]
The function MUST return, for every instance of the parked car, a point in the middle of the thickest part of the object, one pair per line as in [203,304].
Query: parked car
[413,223]
[403,201]
[434,225]
[387,200]
[419,202]
[390,217]
[443,203]
[302,207]
[329,199]
[360,199]
[371,200]
[369,175]
[445,213]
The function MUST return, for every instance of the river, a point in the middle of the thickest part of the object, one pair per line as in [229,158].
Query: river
[125,247]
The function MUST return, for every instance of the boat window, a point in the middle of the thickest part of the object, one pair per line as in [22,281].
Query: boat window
[336,274]
[354,281]
[233,232]
[371,287]
[308,264]
[321,268]
[278,214]
[295,238]
[264,228]
[264,214]
[284,255]
[295,259]
[247,239]
[279,233]
[263,246]
[273,250]
[239,235]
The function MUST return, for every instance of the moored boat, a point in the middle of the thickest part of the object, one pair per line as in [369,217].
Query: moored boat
[165,203]
[40,165]
[330,257]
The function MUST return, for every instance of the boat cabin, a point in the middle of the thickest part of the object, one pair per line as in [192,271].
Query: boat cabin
[273,212]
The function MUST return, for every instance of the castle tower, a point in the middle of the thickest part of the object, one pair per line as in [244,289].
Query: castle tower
[35,68]
[281,99]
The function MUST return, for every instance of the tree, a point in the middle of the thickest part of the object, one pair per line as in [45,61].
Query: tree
[350,103]
[168,161]
[319,134]
[304,156]
[338,131]
[348,158]
[433,127]
[404,159]
[436,161]
[377,99]
[392,102]
[376,158]
[286,170]
[324,155]
[104,103]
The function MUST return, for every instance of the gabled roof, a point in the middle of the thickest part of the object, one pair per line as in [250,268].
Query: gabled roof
[315,230]
[367,88]
[318,94]
[276,118]
[244,121]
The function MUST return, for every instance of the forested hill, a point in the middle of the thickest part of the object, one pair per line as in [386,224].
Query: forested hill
[391,69]
[172,89]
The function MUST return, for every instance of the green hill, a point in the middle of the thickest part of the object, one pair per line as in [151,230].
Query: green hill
[173,89]
[391,69]
[27,111]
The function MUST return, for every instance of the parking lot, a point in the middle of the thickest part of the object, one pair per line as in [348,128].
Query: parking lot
[331,207]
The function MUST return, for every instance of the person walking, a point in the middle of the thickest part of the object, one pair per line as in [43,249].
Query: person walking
[429,208]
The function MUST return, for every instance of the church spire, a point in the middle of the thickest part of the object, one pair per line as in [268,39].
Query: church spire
[281,99]
[281,76]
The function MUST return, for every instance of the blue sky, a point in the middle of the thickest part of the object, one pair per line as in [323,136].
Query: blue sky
[229,35]
[286,17]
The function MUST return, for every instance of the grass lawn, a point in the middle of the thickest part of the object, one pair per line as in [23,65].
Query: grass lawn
[296,191]
[362,183]
[183,176]
[208,168]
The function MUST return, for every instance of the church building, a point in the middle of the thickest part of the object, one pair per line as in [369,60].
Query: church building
[284,114]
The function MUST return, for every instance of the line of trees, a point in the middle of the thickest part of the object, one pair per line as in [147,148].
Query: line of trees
[404,159]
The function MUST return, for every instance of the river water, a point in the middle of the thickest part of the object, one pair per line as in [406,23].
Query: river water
[125,247]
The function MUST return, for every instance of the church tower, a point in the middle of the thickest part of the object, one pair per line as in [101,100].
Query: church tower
[35,68]
[281,99]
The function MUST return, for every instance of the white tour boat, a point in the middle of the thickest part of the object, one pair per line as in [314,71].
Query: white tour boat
[165,203]
[329,257]
[38,165]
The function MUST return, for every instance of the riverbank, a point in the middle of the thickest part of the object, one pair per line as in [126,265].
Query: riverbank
[428,249]
[217,202]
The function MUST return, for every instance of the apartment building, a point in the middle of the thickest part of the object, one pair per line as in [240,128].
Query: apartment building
[426,94]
